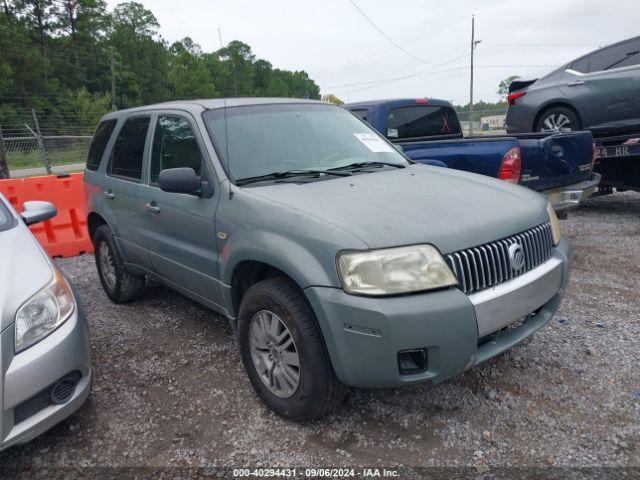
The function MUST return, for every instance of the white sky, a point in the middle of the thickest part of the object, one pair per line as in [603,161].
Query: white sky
[341,51]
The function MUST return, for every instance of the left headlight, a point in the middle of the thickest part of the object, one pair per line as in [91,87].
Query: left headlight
[394,270]
[44,312]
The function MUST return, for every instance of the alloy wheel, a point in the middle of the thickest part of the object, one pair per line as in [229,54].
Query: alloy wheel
[274,354]
[556,122]
[107,265]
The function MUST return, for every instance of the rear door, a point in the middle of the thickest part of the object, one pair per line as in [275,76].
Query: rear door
[605,86]
[181,235]
[122,188]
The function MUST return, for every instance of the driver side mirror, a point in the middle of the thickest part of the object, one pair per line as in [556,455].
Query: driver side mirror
[38,211]
[180,180]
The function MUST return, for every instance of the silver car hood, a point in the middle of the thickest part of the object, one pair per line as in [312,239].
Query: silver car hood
[24,269]
[419,204]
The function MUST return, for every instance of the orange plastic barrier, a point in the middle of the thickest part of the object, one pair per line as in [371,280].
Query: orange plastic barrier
[66,234]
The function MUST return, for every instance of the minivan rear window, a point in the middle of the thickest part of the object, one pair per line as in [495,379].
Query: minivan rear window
[128,151]
[419,121]
[99,143]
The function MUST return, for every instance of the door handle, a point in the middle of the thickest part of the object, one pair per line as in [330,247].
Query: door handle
[108,194]
[152,207]
[576,83]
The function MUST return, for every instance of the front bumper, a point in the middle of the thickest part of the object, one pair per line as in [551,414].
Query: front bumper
[568,198]
[364,334]
[27,377]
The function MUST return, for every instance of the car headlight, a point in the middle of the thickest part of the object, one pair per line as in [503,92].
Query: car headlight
[44,312]
[394,270]
[555,224]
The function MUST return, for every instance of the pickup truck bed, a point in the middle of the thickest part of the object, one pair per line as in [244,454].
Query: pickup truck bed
[558,165]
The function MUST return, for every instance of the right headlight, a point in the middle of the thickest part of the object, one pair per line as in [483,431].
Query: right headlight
[394,270]
[44,312]
[555,224]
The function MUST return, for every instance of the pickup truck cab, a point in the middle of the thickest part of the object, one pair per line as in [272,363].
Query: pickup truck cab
[428,131]
[337,261]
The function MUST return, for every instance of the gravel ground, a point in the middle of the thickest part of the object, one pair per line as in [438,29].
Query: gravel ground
[169,388]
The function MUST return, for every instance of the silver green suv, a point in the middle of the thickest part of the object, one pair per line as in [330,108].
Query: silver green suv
[337,260]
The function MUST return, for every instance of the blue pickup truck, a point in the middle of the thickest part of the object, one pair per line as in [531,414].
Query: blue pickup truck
[559,165]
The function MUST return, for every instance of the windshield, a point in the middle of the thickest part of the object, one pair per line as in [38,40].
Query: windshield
[259,140]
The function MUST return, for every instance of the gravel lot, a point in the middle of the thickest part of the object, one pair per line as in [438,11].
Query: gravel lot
[169,388]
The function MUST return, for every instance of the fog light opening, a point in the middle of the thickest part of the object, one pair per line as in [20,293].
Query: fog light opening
[414,361]
[64,389]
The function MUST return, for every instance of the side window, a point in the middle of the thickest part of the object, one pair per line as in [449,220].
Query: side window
[128,151]
[422,121]
[174,145]
[624,55]
[581,65]
[99,143]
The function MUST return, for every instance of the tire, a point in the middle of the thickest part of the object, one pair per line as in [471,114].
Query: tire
[318,390]
[558,119]
[119,285]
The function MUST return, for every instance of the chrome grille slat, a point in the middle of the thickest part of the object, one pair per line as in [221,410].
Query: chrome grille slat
[485,266]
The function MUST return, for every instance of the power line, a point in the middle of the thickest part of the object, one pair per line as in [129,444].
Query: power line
[381,32]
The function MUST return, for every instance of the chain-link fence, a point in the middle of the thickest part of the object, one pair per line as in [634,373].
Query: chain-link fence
[41,142]
[31,153]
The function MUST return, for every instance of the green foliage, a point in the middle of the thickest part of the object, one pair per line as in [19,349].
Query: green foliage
[57,57]
[331,98]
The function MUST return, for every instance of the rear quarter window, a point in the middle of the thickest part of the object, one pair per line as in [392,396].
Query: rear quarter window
[99,143]
[421,121]
[363,114]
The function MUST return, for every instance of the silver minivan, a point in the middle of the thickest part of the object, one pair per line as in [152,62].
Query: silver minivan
[44,339]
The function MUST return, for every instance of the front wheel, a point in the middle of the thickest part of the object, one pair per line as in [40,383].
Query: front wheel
[558,119]
[283,352]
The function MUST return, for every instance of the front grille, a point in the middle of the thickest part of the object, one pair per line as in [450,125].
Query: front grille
[487,265]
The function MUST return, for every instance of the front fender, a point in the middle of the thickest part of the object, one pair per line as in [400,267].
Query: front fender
[299,263]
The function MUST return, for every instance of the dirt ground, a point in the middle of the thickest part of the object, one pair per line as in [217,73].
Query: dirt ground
[169,388]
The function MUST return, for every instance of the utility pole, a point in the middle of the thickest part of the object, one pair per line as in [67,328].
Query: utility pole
[474,42]
[220,36]
[113,83]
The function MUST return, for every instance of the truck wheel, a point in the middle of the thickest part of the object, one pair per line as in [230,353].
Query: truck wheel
[283,352]
[558,119]
[119,285]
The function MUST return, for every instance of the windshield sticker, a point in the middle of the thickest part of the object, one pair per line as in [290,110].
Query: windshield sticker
[392,132]
[373,142]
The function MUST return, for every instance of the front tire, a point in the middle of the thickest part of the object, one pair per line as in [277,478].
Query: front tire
[558,119]
[119,285]
[283,352]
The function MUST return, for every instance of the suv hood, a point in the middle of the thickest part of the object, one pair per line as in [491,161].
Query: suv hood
[24,269]
[418,204]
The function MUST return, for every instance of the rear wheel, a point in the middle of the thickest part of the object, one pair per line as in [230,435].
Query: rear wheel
[558,119]
[119,285]
[283,352]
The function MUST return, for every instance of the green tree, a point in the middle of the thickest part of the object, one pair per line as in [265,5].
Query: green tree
[331,98]
[189,76]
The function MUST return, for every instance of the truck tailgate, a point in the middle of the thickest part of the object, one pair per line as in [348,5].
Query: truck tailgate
[555,160]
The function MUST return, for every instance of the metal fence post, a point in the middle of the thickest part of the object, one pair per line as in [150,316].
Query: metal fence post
[43,152]
[4,164]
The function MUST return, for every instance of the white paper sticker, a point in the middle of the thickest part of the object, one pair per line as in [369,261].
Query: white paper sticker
[373,142]
[392,132]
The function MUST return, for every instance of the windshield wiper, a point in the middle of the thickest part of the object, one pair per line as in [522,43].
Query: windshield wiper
[288,174]
[368,164]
